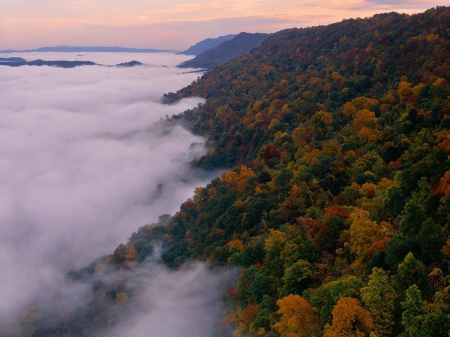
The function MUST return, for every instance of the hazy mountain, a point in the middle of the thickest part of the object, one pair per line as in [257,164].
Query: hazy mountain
[129,64]
[228,50]
[18,62]
[206,44]
[86,49]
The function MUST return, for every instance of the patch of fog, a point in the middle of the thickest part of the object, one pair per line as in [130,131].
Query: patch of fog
[84,164]
[176,303]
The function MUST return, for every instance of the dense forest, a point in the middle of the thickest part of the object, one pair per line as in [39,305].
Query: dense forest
[336,205]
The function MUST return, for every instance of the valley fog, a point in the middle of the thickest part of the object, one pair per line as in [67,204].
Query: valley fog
[84,164]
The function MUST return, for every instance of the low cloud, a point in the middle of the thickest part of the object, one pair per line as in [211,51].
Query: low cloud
[85,162]
[176,303]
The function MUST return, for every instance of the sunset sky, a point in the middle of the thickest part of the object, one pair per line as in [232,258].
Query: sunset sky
[171,24]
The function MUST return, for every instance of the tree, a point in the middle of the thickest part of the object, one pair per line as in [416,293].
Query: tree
[419,320]
[296,277]
[379,297]
[411,272]
[132,253]
[298,317]
[349,319]
[274,245]
[413,216]
[363,232]
[414,308]
[431,241]
[396,249]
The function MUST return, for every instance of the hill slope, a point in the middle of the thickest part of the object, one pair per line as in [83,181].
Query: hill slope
[337,205]
[206,44]
[228,50]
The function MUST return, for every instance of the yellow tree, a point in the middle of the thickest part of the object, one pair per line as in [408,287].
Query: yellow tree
[349,319]
[364,232]
[298,317]
[132,253]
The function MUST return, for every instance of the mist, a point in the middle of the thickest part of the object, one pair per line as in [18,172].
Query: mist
[85,162]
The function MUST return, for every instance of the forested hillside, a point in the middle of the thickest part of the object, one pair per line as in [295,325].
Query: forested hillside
[337,201]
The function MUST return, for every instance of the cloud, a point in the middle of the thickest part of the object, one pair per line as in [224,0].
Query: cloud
[85,162]
[158,302]
[175,303]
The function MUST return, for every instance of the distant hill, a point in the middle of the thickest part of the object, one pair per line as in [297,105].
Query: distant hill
[228,50]
[18,62]
[209,43]
[85,49]
[129,64]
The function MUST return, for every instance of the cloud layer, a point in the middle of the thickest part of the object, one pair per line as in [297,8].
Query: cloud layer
[84,164]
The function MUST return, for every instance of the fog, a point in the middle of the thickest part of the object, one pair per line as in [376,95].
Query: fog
[175,303]
[84,163]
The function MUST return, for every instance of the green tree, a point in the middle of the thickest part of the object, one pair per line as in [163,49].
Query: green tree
[379,298]
[414,309]
[296,277]
[413,216]
[431,240]
[411,272]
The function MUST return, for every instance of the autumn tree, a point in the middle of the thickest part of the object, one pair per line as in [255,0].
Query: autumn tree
[364,232]
[131,254]
[349,319]
[298,317]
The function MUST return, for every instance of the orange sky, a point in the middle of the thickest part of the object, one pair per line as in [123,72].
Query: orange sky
[171,24]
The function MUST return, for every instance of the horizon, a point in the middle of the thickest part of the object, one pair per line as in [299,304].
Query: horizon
[27,24]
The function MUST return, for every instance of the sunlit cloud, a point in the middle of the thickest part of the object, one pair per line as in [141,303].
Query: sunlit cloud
[26,23]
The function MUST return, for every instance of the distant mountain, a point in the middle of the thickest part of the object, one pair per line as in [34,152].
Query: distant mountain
[11,59]
[18,62]
[129,64]
[227,50]
[85,49]
[204,45]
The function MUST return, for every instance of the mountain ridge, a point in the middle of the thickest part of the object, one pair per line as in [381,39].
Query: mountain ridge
[206,44]
[225,51]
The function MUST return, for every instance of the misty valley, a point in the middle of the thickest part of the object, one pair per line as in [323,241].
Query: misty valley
[294,184]
[87,157]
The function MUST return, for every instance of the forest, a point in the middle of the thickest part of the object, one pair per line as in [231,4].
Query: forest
[336,202]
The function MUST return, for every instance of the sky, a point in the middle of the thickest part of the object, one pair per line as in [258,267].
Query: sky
[172,24]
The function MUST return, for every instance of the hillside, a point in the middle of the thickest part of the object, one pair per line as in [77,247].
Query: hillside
[206,44]
[337,202]
[228,50]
